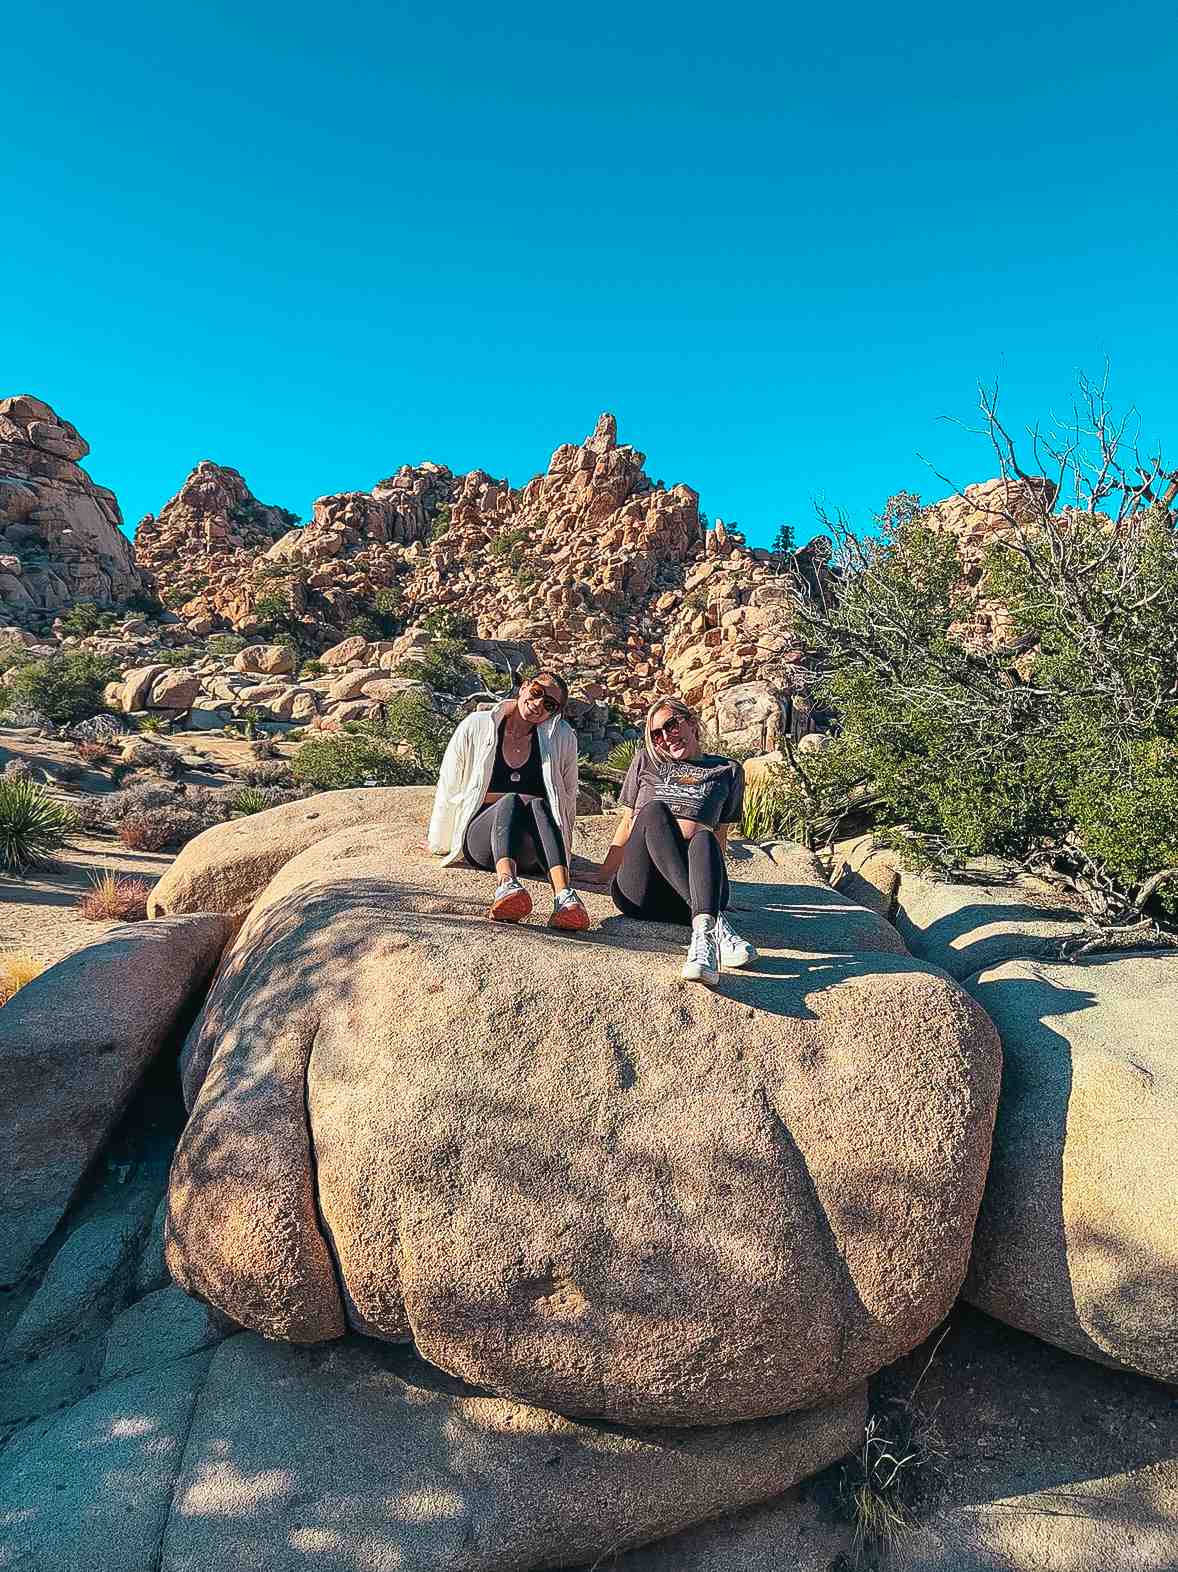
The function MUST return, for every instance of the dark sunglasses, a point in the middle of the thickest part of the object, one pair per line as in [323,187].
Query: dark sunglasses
[535,690]
[669,728]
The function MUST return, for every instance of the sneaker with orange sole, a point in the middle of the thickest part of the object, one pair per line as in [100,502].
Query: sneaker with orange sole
[568,913]
[512,902]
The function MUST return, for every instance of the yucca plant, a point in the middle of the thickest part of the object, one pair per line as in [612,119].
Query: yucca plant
[622,756]
[250,799]
[32,824]
[15,971]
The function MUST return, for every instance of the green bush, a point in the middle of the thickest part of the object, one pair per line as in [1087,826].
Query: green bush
[65,687]
[440,522]
[347,759]
[442,667]
[411,718]
[623,754]
[250,799]
[226,644]
[447,624]
[1058,745]
[33,824]
[312,668]
[363,627]
[13,655]
[84,617]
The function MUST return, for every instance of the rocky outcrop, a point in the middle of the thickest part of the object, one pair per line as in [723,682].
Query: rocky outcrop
[60,535]
[604,573]
[201,548]
[707,1208]
[258,1455]
[977,517]
[74,1044]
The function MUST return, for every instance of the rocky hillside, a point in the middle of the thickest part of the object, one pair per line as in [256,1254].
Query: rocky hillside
[609,575]
[60,538]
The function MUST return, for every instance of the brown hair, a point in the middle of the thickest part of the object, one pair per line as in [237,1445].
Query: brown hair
[553,676]
[677,706]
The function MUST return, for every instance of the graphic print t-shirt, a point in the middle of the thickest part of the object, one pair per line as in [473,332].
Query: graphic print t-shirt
[709,790]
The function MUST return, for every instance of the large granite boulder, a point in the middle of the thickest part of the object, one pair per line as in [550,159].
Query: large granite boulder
[1077,1241]
[225,873]
[569,1176]
[74,1044]
[364,1459]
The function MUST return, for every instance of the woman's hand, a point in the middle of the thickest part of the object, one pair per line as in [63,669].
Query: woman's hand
[590,875]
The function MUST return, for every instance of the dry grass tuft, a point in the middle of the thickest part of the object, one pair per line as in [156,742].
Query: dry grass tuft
[15,971]
[112,899]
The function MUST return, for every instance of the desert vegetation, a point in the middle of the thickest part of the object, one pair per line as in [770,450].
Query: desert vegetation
[1053,739]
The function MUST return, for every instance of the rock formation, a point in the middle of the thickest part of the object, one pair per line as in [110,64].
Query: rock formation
[203,544]
[60,539]
[606,574]
[645,1202]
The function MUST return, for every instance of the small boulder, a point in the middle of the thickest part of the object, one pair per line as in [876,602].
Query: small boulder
[82,1278]
[345,652]
[74,1044]
[271,660]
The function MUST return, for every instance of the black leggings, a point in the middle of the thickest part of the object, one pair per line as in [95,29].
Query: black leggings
[665,877]
[524,831]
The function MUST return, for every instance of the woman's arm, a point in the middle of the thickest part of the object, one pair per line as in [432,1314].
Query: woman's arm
[601,874]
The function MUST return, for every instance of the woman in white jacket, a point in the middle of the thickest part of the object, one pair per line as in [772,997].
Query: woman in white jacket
[507,799]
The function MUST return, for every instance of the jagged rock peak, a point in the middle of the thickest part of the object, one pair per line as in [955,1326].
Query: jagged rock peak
[60,538]
[214,510]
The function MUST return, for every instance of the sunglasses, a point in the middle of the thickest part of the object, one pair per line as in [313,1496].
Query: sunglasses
[535,690]
[670,728]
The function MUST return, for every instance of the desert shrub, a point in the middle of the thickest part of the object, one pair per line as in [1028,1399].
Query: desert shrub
[312,668]
[95,753]
[66,687]
[15,971]
[111,898]
[33,825]
[442,667]
[440,522]
[175,656]
[506,542]
[19,770]
[1057,745]
[225,644]
[160,829]
[267,772]
[363,627]
[447,624]
[12,655]
[106,729]
[348,759]
[411,718]
[138,798]
[84,618]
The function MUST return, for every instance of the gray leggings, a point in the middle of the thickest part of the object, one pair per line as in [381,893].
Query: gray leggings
[524,831]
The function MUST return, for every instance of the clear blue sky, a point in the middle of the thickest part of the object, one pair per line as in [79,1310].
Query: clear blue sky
[316,242]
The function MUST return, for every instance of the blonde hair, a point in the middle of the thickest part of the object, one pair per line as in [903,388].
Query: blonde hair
[677,706]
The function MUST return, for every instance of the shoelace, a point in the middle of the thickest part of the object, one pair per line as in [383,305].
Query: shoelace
[702,948]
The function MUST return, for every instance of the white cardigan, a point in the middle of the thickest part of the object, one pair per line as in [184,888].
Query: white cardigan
[466,772]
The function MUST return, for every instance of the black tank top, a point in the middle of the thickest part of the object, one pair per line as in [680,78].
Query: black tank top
[529,778]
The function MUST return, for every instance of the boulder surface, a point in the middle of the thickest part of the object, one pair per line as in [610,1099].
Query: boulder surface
[1077,1241]
[74,1044]
[569,1176]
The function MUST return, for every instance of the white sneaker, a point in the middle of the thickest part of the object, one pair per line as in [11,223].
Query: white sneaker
[703,954]
[734,951]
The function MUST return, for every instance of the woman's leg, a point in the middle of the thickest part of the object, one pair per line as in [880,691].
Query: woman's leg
[653,880]
[498,837]
[706,875]
[546,834]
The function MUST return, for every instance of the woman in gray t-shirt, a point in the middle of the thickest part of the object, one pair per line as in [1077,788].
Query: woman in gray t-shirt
[666,863]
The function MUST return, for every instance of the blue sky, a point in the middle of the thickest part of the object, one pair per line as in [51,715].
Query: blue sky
[318,242]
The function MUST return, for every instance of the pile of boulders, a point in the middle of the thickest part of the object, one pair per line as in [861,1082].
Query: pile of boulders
[487,1249]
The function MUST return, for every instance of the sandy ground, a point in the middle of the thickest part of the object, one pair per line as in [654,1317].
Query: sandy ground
[39,912]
